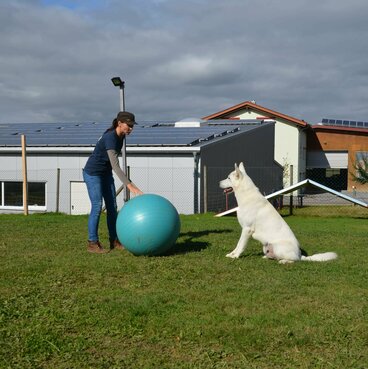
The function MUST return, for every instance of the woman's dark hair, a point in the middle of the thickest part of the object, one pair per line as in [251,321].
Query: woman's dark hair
[114,124]
[123,116]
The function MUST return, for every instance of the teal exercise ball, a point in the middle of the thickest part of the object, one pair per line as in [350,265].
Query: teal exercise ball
[148,225]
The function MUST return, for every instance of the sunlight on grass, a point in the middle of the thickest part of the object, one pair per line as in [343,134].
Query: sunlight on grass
[61,307]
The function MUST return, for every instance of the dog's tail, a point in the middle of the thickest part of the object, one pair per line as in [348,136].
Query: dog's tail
[326,256]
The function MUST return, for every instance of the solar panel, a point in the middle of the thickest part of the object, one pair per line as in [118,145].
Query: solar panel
[345,123]
[87,134]
[174,136]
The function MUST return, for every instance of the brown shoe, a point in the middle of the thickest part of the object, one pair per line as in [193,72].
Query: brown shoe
[95,247]
[116,245]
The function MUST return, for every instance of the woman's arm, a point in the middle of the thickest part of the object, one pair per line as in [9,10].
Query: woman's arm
[114,160]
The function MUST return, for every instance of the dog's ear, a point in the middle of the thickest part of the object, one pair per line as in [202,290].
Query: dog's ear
[241,167]
[237,170]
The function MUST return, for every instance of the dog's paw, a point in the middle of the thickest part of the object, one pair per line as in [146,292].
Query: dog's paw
[232,255]
[284,261]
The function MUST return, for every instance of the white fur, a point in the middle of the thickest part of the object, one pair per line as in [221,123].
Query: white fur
[259,219]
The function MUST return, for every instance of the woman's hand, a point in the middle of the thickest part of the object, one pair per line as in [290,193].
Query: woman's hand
[134,189]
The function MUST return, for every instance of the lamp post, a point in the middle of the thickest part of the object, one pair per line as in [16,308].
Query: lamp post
[117,82]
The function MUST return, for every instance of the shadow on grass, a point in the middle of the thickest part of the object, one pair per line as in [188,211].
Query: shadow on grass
[260,253]
[189,242]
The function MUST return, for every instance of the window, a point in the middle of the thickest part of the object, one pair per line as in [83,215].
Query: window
[330,172]
[337,179]
[11,194]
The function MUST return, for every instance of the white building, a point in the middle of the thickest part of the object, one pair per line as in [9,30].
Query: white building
[181,161]
[290,136]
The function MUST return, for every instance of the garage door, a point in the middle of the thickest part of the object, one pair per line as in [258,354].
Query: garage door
[327,159]
[80,203]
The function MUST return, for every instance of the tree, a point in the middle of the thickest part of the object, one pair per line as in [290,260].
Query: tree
[361,169]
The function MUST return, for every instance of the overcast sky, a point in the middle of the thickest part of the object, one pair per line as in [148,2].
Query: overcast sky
[182,58]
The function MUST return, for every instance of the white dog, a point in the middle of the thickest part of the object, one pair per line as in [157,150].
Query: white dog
[259,219]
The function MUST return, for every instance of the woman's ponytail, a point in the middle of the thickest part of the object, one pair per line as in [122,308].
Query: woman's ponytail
[114,124]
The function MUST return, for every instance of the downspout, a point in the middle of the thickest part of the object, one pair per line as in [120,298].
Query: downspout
[302,157]
[303,151]
[196,182]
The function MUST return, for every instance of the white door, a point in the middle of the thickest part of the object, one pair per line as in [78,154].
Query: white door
[80,203]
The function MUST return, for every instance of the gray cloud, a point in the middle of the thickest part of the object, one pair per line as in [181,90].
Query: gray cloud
[180,59]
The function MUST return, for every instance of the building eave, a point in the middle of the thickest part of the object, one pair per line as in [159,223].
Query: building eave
[271,114]
[89,149]
[336,129]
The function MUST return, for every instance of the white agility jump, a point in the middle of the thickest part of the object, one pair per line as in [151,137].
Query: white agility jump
[296,187]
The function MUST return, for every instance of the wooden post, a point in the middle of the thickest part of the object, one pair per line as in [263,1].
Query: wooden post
[205,205]
[291,194]
[25,181]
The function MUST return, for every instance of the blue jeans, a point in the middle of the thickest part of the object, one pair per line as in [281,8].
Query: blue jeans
[101,187]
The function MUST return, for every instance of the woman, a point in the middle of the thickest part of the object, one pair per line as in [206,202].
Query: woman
[98,177]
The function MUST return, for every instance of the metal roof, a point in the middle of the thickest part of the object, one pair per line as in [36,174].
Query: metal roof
[344,123]
[146,133]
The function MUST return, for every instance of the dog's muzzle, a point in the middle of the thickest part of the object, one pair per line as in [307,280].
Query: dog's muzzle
[228,190]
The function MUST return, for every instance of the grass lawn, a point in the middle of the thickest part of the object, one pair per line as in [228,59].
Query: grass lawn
[61,307]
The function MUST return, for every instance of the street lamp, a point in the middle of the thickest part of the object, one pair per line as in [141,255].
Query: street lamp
[117,82]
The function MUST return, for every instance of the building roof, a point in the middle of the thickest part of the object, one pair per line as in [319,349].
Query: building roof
[336,129]
[265,113]
[146,134]
[342,125]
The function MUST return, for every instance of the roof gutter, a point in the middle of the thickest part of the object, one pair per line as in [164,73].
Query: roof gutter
[89,149]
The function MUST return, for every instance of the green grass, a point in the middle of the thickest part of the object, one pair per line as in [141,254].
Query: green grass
[349,211]
[61,307]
